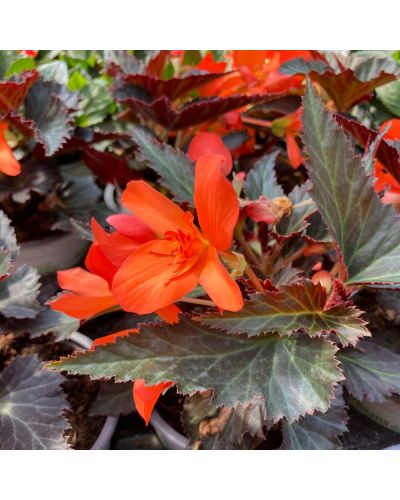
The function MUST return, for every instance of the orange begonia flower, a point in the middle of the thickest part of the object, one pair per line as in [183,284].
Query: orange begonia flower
[9,165]
[383,179]
[207,143]
[89,292]
[165,269]
[144,397]
[208,64]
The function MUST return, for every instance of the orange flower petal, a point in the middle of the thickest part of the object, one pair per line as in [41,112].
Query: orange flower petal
[207,143]
[81,307]
[293,151]
[112,338]
[131,226]
[215,279]
[83,283]
[8,163]
[252,59]
[145,397]
[394,130]
[97,263]
[216,202]
[115,246]
[153,208]
[148,281]
[170,314]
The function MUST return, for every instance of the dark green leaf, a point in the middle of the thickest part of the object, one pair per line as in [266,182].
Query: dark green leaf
[372,371]
[298,306]
[261,180]
[18,294]
[319,431]
[50,116]
[174,168]
[366,231]
[238,369]
[113,399]
[47,321]
[31,407]
[296,222]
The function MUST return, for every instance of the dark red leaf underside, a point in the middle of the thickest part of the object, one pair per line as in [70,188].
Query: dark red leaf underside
[12,94]
[161,111]
[346,90]
[108,167]
[386,154]
[172,88]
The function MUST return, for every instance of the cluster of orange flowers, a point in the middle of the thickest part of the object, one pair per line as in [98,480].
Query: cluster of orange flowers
[158,253]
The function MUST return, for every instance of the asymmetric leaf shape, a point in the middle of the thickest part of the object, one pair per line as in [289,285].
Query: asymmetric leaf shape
[174,167]
[31,407]
[238,369]
[296,306]
[367,232]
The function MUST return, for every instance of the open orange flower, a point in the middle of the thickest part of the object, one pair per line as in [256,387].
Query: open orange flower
[9,165]
[88,293]
[165,269]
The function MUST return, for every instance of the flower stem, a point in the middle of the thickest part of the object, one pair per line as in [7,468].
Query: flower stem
[308,201]
[253,278]
[256,121]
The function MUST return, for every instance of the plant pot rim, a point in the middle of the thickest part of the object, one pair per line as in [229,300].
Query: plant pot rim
[169,437]
[103,440]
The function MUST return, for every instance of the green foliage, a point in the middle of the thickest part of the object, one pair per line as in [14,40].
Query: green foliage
[31,407]
[175,169]
[366,231]
[299,306]
[238,369]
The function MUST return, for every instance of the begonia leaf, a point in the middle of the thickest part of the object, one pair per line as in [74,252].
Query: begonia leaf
[297,306]
[367,232]
[31,407]
[238,369]
[372,371]
[320,431]
[175,169]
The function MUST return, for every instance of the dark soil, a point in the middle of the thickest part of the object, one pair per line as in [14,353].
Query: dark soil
[81,392]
